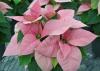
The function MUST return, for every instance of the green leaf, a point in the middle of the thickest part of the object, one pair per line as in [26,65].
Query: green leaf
[32,66]
[94,4]
[2,18]
[84,52]
[53,2]
[3,38]
[22,7]
[43,20]
[25,60]
[54,17]
[93,17]
[90,17]
[3,21]
[54,62]
[96,29]
[70,5]
[5,31]
[20,36]
[57,68]
[84,17]
[17,1]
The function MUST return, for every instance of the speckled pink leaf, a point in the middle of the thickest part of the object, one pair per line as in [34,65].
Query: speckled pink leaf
[76,23]
[72,60]
[79,37]
[55,27]
[84,7]
[48,11]
[65,49]
[4,7]
[25,48]
[43,62]
[61,25]
[34,29]
[12,47]
[66,13]
[35,8]
[49,46]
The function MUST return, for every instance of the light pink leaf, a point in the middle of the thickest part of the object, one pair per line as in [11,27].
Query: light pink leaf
[65,49]
[79,37]
[27,41]
[33,12]
[17,18]
[66,13]
[67,16]
[23,27]
[34,29]
[4,6]
[35,8]
[30,16]
[12,47]
[44,2]
[48,48]
[43,62]
[76,23]
[72,61]
[48,11]
[55,27]
[84,7]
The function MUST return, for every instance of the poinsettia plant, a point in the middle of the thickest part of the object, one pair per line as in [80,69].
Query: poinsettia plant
[51,33]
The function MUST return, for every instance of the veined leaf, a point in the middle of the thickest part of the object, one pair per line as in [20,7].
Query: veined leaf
[25,60]
[17,1]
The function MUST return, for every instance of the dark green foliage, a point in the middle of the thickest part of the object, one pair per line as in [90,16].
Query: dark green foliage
[90,17]
[33,66]
[96,29]
[70,5]
[4,29]
[2,49]
[57,68]
[96,47]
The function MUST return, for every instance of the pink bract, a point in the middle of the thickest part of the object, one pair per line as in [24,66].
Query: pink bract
[67,49]
[4,7]
[84,7]
[62,24]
